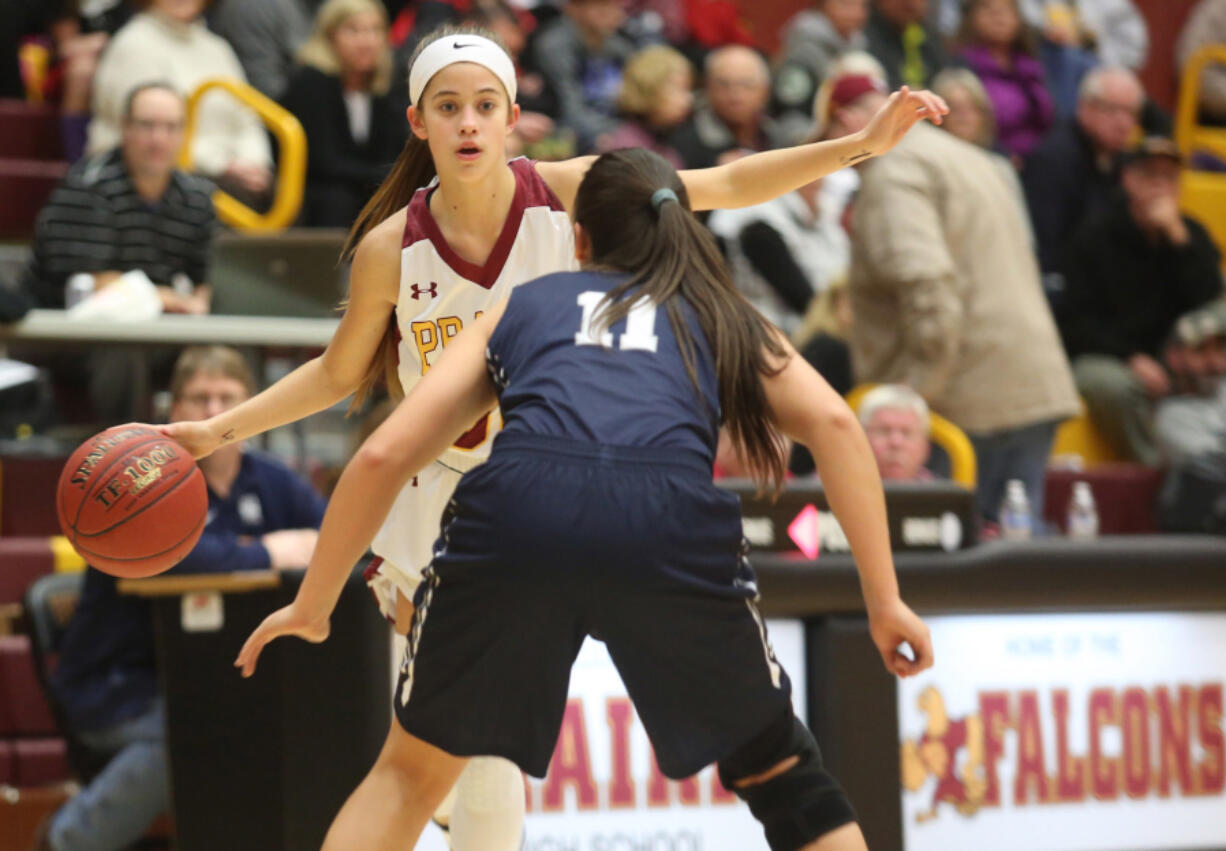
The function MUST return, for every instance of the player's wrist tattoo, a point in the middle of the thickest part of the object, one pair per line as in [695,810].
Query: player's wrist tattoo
[855,158]
[228,436]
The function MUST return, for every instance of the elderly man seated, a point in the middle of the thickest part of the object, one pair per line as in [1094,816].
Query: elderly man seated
[895,418]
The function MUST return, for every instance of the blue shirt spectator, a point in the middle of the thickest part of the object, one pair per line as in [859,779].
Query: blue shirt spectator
[260,516]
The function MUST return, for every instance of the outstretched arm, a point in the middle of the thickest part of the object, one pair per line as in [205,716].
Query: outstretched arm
[322,382]
[453,395]
[760,177]
[808,410]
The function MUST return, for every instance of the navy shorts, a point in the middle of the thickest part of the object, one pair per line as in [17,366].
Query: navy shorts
[551,541]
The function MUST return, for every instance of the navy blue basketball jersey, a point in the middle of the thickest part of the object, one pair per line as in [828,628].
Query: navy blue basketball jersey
[558,374]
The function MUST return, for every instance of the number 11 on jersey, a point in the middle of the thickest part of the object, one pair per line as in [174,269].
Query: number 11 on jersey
[640,325]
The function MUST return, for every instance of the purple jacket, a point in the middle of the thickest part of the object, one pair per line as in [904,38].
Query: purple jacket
[1019,96]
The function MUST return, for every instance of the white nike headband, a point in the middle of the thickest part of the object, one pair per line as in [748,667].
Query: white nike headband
[461,48]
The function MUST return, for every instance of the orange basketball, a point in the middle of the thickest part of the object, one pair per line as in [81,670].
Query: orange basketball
[131,501]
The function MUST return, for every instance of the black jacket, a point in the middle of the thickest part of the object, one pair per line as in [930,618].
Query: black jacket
[1064,186]
[341,172]
[1126,289]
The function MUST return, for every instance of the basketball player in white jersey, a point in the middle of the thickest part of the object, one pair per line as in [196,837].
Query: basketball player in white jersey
[428,257]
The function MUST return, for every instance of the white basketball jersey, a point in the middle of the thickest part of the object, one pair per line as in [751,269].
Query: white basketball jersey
[440,293]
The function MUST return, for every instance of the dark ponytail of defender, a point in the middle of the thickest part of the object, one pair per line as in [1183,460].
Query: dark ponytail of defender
[413,169]
[668,253]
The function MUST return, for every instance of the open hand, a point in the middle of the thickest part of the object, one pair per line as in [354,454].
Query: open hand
[890,626]
[1151,375]
[901,111]
[284,621]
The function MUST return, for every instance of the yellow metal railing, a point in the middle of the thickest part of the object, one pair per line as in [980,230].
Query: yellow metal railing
[1190,135]
[1202,193]
[291,173]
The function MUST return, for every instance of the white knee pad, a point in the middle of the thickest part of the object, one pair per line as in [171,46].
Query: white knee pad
[488,811]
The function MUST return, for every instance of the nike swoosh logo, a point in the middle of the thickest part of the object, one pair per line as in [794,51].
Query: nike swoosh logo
[457,45]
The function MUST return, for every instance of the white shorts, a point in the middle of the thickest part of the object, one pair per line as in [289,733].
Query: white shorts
[404,544]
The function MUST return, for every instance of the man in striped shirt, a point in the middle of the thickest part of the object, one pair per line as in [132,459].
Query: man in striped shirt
[130,209]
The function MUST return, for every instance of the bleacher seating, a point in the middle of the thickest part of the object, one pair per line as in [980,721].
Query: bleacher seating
[41,762]
[25,186]
[32,751]
[22,560]
[1079,438]
[31,163]
[27,493]
[29,131]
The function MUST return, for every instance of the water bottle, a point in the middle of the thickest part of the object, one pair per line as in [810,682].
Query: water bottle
[78,288]
[1082,513]
[1015,519]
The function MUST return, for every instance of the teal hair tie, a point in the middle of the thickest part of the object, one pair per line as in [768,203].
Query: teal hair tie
[660,196]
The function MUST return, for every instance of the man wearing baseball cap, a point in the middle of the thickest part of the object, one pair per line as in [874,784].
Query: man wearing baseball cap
[1133,272]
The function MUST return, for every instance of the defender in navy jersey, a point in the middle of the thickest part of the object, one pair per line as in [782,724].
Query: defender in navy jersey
[597,515]
[626,387]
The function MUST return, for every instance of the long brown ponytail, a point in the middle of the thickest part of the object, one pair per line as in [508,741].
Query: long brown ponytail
[413,169]
[668,253]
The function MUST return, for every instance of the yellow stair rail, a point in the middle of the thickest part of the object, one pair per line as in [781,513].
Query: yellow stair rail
[963,468]
[291,174]
[1189,135]
[1202,193]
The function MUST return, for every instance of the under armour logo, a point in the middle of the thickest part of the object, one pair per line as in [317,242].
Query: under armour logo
[432,290]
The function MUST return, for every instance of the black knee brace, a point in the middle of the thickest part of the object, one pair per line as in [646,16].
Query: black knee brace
[797,806]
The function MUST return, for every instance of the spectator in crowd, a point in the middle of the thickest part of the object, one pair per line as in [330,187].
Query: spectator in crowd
[823,335]
[79,32]
[1132,272]
[852,63]
[1002,52]
[1206,25]
[21,18]
[900,37]
[1192,421]
[660,20]
[947,298]
[169,41]
[786,251]
[895,418]
[354,126]
[822,341]
[120,218]
[1071,175]
[812,40]
[535,131]
[265,35]
[731,117]
[695,27]
[714,24]
[1078,35]
[656,96]
[260,516]
[1114,30]
[973,119]
[129,209]
[581,55]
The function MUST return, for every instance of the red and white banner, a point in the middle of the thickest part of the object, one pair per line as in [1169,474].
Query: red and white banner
[604,791]
[1078,732]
